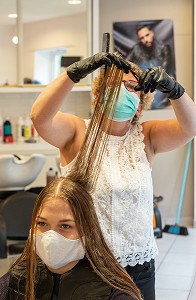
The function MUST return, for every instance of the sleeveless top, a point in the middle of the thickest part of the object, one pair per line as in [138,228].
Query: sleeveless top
[123,198]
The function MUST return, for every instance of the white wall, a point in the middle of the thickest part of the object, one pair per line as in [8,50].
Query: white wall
[7,55]
[69,32]
[168,167]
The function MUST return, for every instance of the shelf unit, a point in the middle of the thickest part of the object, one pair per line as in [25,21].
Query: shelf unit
[76,88]
[28,148]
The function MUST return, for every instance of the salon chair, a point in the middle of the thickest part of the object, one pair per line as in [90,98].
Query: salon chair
[16,203]
[15,219]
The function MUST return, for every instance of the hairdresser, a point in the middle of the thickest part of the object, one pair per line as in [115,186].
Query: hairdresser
[123,197]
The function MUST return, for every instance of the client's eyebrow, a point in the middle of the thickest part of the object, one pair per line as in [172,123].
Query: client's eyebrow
[64,220]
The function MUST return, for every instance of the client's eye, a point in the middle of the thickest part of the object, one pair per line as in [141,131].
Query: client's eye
[65,226]
[41,224]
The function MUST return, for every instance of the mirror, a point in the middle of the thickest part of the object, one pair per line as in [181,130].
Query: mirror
[50,30]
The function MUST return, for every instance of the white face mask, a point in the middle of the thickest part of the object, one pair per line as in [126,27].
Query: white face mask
[57,251]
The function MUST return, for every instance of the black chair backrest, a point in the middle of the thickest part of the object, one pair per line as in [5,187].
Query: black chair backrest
[17,213]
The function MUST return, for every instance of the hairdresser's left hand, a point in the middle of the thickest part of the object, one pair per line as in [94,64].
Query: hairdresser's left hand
[156,78]
[82,68]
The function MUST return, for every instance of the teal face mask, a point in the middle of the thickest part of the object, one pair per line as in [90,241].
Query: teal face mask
[126,106]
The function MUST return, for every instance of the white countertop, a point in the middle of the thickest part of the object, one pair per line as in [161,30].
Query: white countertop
[28,148]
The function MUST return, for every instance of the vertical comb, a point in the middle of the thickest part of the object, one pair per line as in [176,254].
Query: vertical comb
[105,48]
[106,42]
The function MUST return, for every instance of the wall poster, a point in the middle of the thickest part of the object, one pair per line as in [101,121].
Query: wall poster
[147,43]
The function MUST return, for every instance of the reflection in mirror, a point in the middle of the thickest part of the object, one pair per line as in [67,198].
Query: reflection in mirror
[47,65]
[51,30]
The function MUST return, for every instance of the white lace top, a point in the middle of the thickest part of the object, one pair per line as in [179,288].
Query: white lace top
[123,198]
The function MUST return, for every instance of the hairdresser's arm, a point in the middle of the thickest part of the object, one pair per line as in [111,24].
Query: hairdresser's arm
[163,136]
[54,126]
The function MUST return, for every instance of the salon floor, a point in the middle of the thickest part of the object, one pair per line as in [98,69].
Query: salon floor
[175,267]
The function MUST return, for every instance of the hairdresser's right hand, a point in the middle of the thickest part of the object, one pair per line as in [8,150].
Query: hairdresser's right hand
[82,68]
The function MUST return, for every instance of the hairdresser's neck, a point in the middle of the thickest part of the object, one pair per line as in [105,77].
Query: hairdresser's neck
[120,128]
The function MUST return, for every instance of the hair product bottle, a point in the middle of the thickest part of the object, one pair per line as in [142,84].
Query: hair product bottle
[27,127]
[20,130]
[7,131]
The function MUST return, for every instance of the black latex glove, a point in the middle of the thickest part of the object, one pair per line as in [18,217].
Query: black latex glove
[82,68]
[156,78]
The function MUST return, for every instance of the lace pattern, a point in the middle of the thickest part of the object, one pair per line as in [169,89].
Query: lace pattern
[123,198]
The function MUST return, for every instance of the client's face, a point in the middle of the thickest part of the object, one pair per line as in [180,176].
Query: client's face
[56,236]
[57,215]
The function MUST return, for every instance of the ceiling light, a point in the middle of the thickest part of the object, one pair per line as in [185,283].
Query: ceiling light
[15,40]
[74,1]
[14,16]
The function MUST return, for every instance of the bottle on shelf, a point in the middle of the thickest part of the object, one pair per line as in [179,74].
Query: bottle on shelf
[34,133]
[20,129]
[1,129]
[7,131]
[27,127]
[7,127]
[50,175]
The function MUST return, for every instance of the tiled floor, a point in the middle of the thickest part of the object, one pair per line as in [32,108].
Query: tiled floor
[175,267]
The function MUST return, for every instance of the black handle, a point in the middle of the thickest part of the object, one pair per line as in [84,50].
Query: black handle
[105,48]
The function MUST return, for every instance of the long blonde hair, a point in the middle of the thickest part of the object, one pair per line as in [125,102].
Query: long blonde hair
[88,162]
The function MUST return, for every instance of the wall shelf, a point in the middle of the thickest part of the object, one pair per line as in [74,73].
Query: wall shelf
[28,148]
[5,90]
